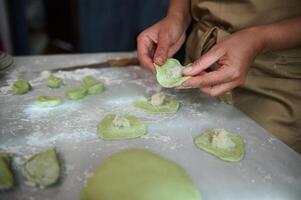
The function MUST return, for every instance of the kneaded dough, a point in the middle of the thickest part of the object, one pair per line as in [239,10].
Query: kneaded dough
[155,106]
[98,88]
[48,101]
[110,130]
[232,151]
[169,74]
[88,81]
[6,176]
[137,174]
[76,93]
[54,82]
[42,169]
[21,87]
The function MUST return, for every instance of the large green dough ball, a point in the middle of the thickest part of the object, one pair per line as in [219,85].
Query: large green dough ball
[206,142]
[76,93]
[54,82]
[169,74]
[48,101]
[6,175]
[108,131]
[98,88]
[21,87]
[42,168]
[137,174]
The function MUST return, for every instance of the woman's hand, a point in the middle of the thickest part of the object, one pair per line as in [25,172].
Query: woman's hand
[161,41]
[234,54]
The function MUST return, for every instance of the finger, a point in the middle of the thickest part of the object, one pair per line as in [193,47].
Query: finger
[205,61]
[161,53]
[222,75]
[144,51]
[176,46]
[218,90]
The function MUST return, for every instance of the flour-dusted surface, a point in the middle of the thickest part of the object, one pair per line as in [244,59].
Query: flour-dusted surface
[270,169]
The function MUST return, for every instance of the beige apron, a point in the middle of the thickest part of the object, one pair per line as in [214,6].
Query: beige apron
[271,94]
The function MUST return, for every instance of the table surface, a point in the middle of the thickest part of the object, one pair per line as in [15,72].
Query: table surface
[269,170]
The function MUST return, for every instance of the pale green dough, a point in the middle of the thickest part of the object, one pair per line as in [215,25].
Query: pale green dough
[233,154]
[76,93]
[169,105]
[54,82]
[170,75]
[21,87]
[6,175]
[88,81]
[48,101]
[137,174]
[98,88]
[42,169]
[107,131]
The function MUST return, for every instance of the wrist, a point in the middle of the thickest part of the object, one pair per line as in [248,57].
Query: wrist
[260,40]
[182,18]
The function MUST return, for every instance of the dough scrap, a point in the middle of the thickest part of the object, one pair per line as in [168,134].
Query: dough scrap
[42,168]
[168,105]
[6,176]
[54,82]
[225,145]
[108,131]
[76,93]
[98,88]
[169,75]
[137,174]
[88,81]
[21,87]
[48,101]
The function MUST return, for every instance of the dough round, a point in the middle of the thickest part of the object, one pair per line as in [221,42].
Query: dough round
[76,93]
[98,88]
[54,82]
[137,174]
[6,175]
[169,105]
[42,168]
[88,81]
[231,154]
[48,101]
[21,87]
[170,75]
[108,131]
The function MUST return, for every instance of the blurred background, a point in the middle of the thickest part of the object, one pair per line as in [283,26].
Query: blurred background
[29,27]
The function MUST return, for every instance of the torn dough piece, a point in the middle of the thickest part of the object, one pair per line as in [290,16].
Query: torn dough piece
[138,174]
[76,93]
[54,82]
[222,144]
[6,176]
[88,81]
[92,85]
[21,87]
[159,103]
[42,169]
[115,127]
[48,101]
[169,74]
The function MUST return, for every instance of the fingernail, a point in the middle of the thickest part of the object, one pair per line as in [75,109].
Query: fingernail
[187,69]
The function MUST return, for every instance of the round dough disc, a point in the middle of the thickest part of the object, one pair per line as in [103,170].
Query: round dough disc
[48,101]
[170,105]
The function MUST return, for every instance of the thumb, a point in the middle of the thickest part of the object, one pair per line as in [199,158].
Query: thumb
[204,62]
[161,53]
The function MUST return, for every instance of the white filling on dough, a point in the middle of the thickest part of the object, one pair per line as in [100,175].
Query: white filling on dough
[120,121]
[221,139]
[158,99]
[175,72]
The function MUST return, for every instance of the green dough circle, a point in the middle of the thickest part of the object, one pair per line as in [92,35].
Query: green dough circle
[48,101]
[76,93]
[137,174]
[98,88]
[54,82]
[42,168]
[107,131]
[234,154]
[6,175]
[170,105]
[88,81]
[163,76]
[21,87]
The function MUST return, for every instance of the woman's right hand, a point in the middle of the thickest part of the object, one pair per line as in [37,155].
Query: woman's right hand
[161,41]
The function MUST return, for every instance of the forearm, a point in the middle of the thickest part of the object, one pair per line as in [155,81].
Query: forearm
[279,35]
[180,9]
